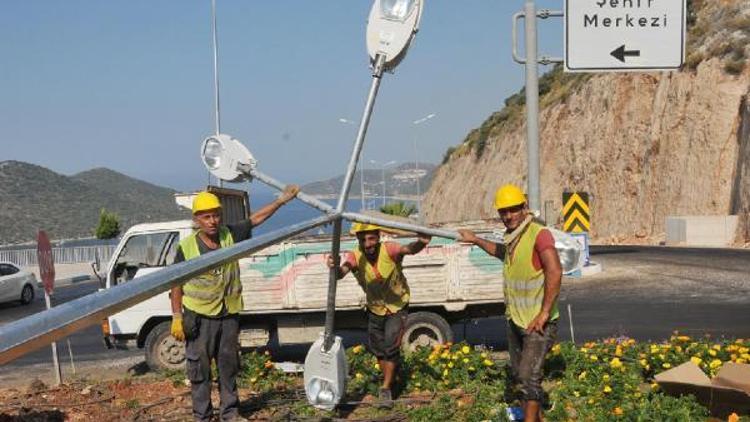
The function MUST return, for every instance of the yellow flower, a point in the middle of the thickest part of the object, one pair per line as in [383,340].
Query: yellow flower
[715,364]
[745,356]
[556,349]
[618,351]
[744,350]
[594,357]
[376,366]
[584,350]
[666,365]
[450,364]
[740,360]
[357,349]
[582,376]
[487,362]
[696,360]
[445,373]
[654,386]
[607,389]
[733,417]
[465,350]
[616,363]
[683,338]
[359,376]
[717,347]
[472,369]
[577,394]
[605,377]
[466,360]
[644,362]
[591,401]
[253,379]
[617,411]
[712,352]
[483,355]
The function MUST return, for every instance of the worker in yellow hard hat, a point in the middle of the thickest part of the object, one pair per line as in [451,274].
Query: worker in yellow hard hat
[532,276]
[377,266]
[205,310]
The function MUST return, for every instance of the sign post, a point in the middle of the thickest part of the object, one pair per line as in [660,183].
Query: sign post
[624,35]
[47,273]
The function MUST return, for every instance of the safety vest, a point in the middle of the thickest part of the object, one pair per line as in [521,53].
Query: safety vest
[523,286]
[209,292]
[384,283]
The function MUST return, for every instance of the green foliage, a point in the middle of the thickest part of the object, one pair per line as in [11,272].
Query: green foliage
[108,226]
[258,372]
[398,208]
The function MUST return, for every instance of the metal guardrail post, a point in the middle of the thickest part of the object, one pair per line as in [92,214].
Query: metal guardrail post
[27,334]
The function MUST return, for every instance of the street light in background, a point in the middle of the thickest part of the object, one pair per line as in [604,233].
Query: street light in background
[416,162]
[382,168]
[362,170]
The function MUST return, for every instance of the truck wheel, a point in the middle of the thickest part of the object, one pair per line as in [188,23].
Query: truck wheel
[162,350]
[27,294]
[425,329]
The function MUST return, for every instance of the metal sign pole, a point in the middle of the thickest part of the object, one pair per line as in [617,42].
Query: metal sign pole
[55,358]
[532,107]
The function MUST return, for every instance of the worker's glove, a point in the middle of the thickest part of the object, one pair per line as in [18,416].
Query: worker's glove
[177,331]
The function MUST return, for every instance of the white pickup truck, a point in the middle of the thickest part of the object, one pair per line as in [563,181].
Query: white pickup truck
[285,290]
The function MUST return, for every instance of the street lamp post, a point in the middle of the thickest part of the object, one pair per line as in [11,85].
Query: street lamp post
[361,171]
[416,162]
[382,168]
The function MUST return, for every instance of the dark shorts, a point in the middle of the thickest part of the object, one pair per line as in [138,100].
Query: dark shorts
[527,353]
[385,334]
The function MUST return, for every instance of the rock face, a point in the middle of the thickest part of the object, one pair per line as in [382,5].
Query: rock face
[645,145]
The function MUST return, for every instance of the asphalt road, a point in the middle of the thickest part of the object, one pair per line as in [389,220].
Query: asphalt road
[644,292]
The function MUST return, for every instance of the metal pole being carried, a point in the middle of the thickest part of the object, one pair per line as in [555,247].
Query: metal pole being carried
[532,107]
[377,75]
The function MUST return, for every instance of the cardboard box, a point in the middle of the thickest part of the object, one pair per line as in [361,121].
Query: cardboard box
[728,392]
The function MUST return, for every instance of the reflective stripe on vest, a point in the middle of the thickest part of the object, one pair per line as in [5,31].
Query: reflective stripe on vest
[209,292]
[524,285]
[384,284]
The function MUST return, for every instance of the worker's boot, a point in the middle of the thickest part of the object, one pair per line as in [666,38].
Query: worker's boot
[385,399]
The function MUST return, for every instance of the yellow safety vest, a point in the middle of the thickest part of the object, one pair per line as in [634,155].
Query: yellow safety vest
[209,292]
[523,286]
[384,284]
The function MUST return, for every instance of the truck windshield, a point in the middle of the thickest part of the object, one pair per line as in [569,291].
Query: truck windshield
[144,251]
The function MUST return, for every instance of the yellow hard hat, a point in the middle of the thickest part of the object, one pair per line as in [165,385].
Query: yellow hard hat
[509,196]
[205,201]
[358,227]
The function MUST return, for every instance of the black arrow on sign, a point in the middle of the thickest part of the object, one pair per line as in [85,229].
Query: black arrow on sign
[620,52]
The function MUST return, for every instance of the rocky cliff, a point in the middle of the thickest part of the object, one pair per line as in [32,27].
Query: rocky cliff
[645,145]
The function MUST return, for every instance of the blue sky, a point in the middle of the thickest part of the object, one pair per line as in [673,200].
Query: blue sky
[128,85]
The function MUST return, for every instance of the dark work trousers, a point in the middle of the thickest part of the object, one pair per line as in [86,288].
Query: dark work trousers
[218,340]
[527,353]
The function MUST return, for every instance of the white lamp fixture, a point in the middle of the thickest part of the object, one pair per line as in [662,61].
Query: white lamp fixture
[391,28]
[226,158]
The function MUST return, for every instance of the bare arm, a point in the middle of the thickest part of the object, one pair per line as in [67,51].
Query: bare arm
[258,217]
[341,271]
[176,299]
[415,247]
[552,280]
[495,249]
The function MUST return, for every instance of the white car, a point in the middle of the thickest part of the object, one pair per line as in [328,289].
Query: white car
[16,284]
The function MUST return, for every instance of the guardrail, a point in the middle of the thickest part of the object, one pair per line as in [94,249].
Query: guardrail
[61,255]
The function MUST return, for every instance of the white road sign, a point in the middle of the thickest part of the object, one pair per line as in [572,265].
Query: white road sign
[624,35]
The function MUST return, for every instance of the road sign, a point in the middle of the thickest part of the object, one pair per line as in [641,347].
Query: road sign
[45,261]
[576,212]
[47,273]
[624,35]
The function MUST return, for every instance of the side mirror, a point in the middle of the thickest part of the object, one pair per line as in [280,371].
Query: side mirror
[95,268]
